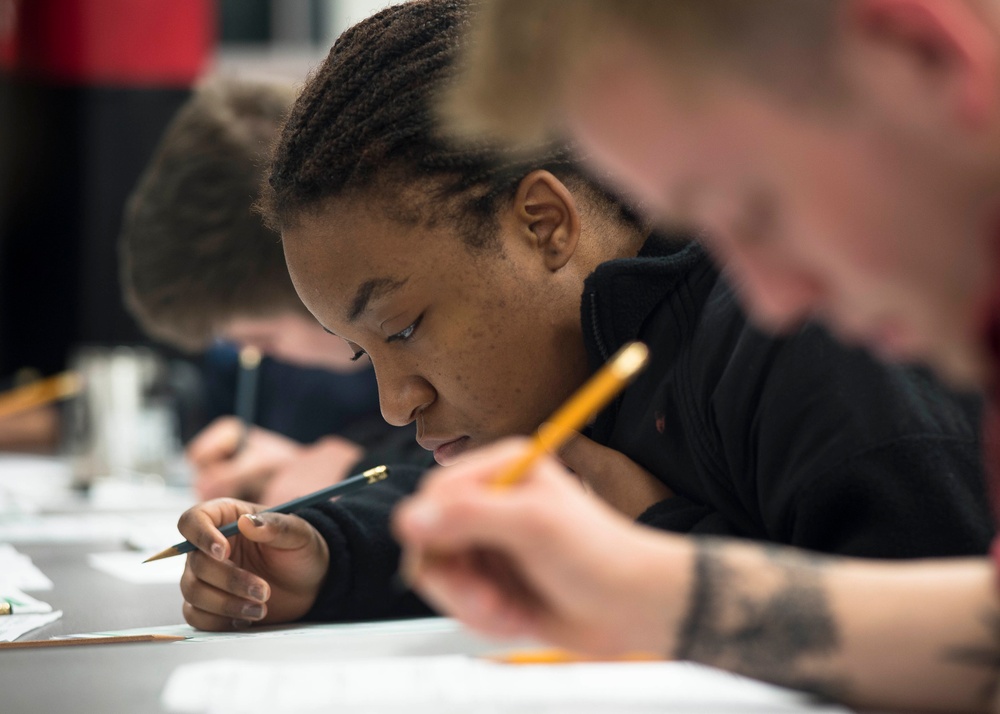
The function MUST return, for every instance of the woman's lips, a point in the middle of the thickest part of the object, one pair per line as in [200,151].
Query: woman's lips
[446,453]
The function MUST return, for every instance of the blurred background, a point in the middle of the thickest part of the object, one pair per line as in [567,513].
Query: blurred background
[86,90]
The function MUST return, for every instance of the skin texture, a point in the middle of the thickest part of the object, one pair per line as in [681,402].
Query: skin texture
[270,573]
[515,309]
[543,560]
[510,596]
[875,211]
[272,468]
[453,311]
[34,431]
[294,338]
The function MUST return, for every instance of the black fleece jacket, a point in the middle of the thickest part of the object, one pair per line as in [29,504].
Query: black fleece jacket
[796,440]
[792,440]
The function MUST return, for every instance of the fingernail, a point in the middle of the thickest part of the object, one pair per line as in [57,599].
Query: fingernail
[423,516]
[255,519]
[218,552]
[252,611]
[257,592]
[241,624]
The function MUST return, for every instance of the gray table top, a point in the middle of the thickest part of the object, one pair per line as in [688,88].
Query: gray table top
[93,601]
[105,679]
[101,679]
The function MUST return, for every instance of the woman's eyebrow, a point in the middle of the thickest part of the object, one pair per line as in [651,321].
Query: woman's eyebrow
[372,290]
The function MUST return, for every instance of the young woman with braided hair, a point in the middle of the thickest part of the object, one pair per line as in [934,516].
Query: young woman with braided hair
[486,287]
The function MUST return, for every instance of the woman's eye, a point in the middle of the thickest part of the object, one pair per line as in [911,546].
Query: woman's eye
[406,333]
[358,355]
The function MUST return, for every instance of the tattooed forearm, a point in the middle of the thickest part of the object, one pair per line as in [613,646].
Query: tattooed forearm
[767,617]
[986,657]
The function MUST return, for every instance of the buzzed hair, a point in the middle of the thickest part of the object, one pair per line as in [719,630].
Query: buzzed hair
[194,254]
[521,55]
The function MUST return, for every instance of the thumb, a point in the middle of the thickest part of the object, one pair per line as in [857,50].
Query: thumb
[276,530]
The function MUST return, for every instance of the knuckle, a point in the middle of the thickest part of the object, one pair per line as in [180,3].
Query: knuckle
[195,566]
[239,582]
[232,609]
[186,519]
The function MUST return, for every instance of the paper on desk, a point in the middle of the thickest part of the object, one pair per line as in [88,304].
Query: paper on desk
[28,483]
[318,629]
[458,683]
[22,603]
[146,531]
[128,566]
[17,570]
[13,626]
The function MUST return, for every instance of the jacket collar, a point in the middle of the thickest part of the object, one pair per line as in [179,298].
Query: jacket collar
[620,295]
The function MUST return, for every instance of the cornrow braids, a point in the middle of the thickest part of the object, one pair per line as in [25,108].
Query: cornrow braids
[366,119]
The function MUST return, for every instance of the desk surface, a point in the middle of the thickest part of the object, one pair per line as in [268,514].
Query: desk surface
[101,679]
[93,601]
[129,678]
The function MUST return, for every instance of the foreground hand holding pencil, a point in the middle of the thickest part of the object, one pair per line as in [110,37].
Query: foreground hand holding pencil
[515,499]
[543,559]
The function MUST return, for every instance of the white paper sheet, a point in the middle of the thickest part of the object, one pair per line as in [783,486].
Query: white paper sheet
[128,566]
[13,626]
[17,570]
[146,531]
[30,482]
[388,627]
[21,602]
[459,683]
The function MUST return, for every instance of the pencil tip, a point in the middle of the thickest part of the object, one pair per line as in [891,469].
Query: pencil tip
[168,553]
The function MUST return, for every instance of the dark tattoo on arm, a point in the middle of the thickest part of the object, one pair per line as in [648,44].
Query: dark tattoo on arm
[983,657]
[780,629]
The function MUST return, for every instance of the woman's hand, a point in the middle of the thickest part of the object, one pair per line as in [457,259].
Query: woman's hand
[270,573]
[222,471]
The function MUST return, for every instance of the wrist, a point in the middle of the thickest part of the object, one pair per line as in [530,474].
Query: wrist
[660,569]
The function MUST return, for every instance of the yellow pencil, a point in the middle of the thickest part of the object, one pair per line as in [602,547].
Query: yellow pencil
[560,656]
[587,401]
[581,407]
[38,394]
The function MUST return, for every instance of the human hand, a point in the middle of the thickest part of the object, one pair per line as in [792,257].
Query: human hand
[541,559]
[613,476]
[270,573]
[222,472]
[317,466]
[33,431]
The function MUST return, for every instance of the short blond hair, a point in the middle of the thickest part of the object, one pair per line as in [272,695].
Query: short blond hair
[521,55]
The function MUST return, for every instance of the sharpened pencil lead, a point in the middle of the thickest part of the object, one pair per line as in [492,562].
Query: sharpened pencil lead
[168,553]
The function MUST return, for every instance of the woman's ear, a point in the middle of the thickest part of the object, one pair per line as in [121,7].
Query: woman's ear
[547,217]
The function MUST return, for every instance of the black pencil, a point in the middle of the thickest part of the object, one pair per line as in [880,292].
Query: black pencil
[324,494]
[246,393]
